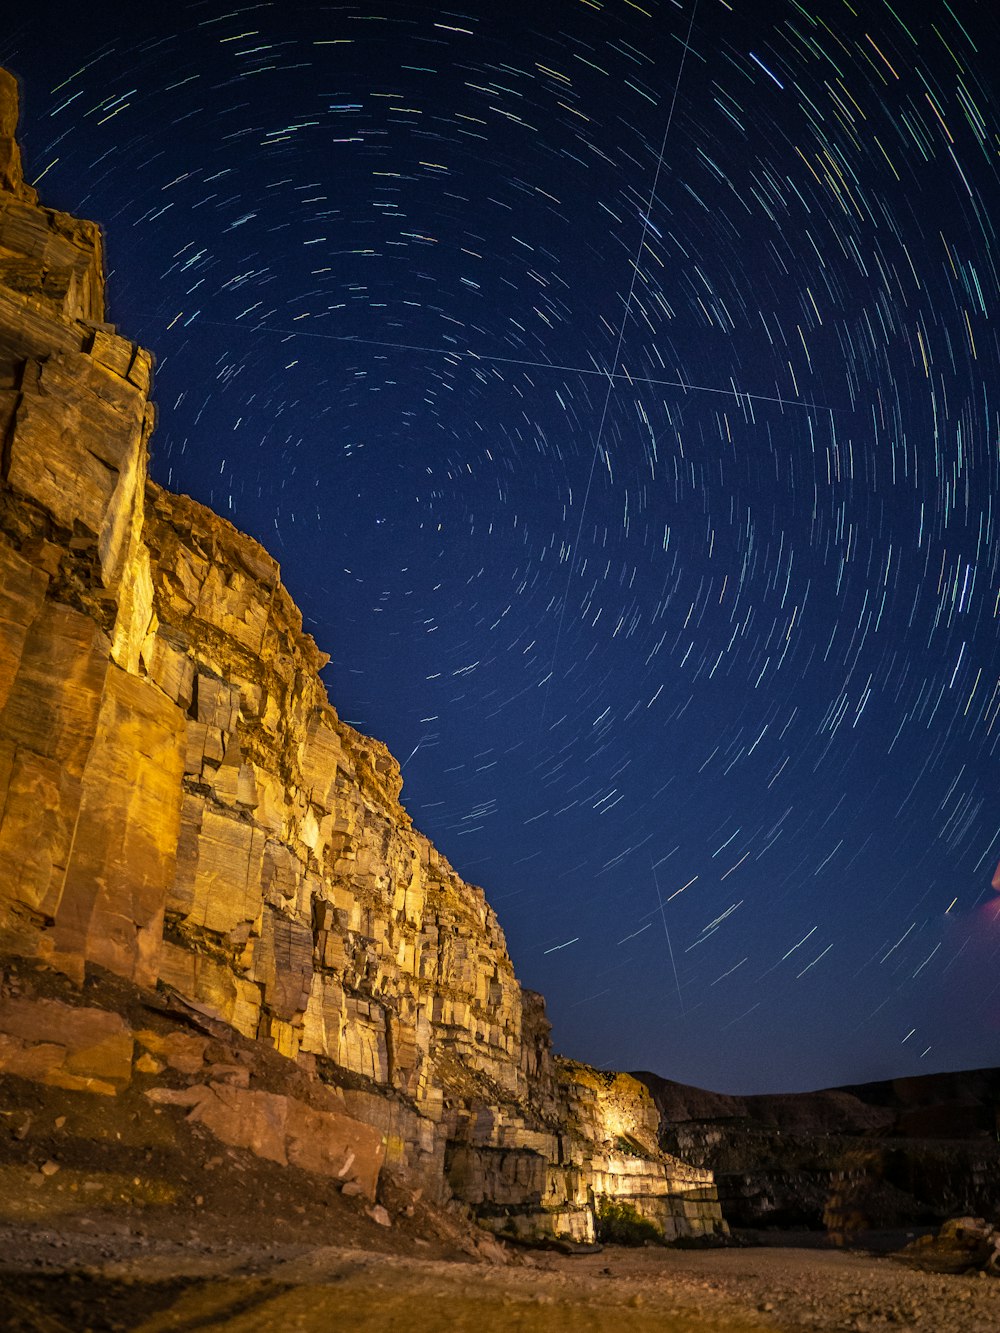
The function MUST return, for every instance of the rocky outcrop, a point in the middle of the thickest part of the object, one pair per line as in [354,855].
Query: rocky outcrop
[70,1044]
[181,806]
[963,1245]
[599,1146]
[866,1157]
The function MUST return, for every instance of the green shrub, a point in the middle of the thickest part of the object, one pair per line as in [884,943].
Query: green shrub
[620,1223]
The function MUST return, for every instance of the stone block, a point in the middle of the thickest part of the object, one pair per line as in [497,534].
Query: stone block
[182,1051]
[218,883]
[170,669]
[82,1049]
[496,1176]
[124,848]
[74,447]
[283,965]
[282,879]
[39,801]
[216,703]
[47,730]
[52,704]
[320,755]
[22,592]
[212,986]
[11,177]
[284,1130]
[50,259]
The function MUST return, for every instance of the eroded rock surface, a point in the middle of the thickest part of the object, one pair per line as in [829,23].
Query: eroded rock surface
[181,805]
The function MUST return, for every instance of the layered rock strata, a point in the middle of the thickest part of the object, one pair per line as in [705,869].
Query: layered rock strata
[181,806]
[875,1156]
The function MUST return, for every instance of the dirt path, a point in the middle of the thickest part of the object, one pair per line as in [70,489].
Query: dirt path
[155,1288]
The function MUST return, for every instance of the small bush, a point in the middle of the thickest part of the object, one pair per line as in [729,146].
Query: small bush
[620,1223]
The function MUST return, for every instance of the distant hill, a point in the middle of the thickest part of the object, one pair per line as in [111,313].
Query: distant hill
[893,1153]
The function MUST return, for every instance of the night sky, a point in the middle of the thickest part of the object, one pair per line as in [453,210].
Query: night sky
[617,386]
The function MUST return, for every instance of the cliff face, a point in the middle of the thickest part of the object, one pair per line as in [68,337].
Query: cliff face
[181,806]
[867,1157]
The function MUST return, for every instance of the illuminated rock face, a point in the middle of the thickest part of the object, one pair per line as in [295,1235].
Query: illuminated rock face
[180,804]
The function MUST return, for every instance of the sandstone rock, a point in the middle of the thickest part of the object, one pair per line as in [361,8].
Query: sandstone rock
[181,805]
[85,1050]
[124,847]
[963,1245]
[212,986]
[54,258]
[609,1107]
[93,483]
[182,1051]
[10,155]
[284,1130]
[22,592]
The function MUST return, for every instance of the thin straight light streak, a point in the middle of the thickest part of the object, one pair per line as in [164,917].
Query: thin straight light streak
[613,376]
[611,382]
[666,931]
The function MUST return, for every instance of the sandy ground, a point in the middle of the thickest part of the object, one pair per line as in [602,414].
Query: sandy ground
[117,1279]
[119,1214]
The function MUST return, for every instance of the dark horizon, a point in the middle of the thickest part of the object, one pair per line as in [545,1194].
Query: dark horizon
[855,1087]
[694,669]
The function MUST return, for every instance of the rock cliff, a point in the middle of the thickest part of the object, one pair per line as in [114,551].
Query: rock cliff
[873,1156]
[181,808]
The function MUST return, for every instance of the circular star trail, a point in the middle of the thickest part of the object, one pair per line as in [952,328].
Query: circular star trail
[617,385]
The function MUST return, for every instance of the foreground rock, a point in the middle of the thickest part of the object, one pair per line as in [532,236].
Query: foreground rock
[182,808]
[203,1134]
[963,1245]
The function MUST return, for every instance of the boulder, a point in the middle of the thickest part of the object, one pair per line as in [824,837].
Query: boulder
[284,1130]
[82,1049]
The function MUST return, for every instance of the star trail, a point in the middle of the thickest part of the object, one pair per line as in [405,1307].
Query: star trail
[617,386]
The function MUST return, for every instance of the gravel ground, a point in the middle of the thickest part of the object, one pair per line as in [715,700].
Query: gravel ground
[115,1280]
[115,1216]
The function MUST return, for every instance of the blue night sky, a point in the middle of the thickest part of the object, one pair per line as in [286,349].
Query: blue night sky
[617,385]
